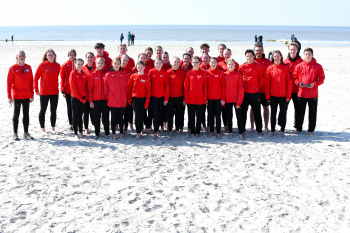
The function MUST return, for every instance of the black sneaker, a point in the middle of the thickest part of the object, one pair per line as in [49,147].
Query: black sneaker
[15,137]
[27,136]
[71,129]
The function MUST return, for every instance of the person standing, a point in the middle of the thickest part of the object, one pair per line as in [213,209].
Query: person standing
[20,91]
[121,37]
[129,38]
[12,38]
[189,51]
[132,39]
[100,50]
[299,45]
[260,40]
[149,60]
[48,72]
[221,49]
[129,114]
[89,68]
[309,75]
[122,49]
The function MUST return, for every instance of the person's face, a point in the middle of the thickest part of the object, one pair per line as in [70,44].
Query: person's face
[186,60]
[122,50]
[158,64]
[165,58]
[227,54]
[277,57]
[190,51]
[100,64]
[90,58]
[100,51]
[231,65]
[140,68]
[21,57]
[149,54]
[205,50]
[221,50]
[308,56]
[72,56]
[213,64]
[50,57]
[176,63]
[205,59]
[159,52]
[125,61]
[250,58]
[79,65]
[195,64]
[143,58]
[258,52]
[116,64]
[293,50]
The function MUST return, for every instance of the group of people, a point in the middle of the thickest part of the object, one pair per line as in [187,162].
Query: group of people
[158,90]
[131,38]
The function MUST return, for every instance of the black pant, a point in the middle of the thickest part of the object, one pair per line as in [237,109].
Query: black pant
[312,102]
[224,115]
[156,105]
[128,116]
[78,110]
[88,111]
[16,112]
[164,116]
[239,117]
[117,113]
[214,109]
[69,108]
[138,105]
[101,108]
[175,105]
[252,99]
[193,112]
[44,101]
[132,42]
[295,103]
[183,117]
[282,116]
[129,41]
[204,123]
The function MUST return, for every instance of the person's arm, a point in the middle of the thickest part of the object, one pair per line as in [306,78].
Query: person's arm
[186,89]
[166,99]
[205,93]
[130,87]
[240,92]
[73,88]
[261,76]
[268,84]
[320,77]
[37,76]
[63,79]
[90,88]
[148,92]
[223,88]
[31,84]
[296,75]
[289,85]
[106,86]
[10,81]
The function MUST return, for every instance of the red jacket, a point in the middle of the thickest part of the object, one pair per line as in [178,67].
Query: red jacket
[108,61]
[19,84]
[200,58]
[48,72]
[204,67]
[139,86]
[278,81]
[166,67]
[222,66]
[220,59]
[131,62]
[253,77]
[86,69]
[78,85]
[116,88]
[95,86]
[150,63]
[176,82]
[216,84]
[307,73]
[66,69]
[264,62]
[146,71]
[234,88]
[292,66]
[182,63]
[190,67]
[196,87]
[159,84]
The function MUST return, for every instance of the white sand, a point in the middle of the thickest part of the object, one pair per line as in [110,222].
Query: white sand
[262,184]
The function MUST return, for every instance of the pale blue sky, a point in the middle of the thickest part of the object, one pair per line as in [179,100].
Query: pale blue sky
[179,12]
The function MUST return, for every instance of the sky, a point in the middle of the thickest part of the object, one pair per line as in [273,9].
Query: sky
[179,12]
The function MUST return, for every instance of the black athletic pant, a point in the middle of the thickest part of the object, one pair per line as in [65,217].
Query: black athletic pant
[194,111]
[148,116]
[44,101]
[175,105]
[16,112]
[229,111]
[138,105]
[312,102]
[117,115]
[295,103]
[282,116]
[183,117]
[128,114]
[157,105]
[224,115]
[69,108]
[101,108]
[214,109]
[164,116]
[204,123]
[88,111]
[78,110]
[252,99]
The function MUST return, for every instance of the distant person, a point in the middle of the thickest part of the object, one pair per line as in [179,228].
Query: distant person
[299,45]
[6,40]
[121,38]
[132,39]
[20,91]
[260,40]
[292,37]
[12,38]
[255,39]
[129,38]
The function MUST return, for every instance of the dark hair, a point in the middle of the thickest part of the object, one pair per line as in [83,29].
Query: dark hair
[228,50]
[259,46]
[204,45]
[158,58]
[117,59]
[196,58]
[99,45]
[72,51]
[249,51]
[149,48]
[186,54]
[140,63]
[141,55]
[87,54]
[213,58]
[78,59]
[310,50]
[279,52]
[166,53]
[221,45]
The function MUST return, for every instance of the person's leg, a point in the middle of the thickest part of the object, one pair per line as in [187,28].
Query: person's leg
[239,119]
[252,121]
[44,101]
[113,119]
[105,116]
[155,113]
[245,106]
[283,112]
[217,111]
[266,111]
[224,115]
[69,109]
[75,112]
[97,116]
[92,118]
[178,113]
[16,112]
[82,108]
[137,109]
[312,114]
[126,114]
[171,107]
[211,113]
[273,105]
[229,114]
[295,103]
[25,109]
[53,109]
[86,114]
[301,113]
[199,113]
[121,112]
[191,117]
[152,103]
[255,103]
[160,105]
[183,117]
[203,119]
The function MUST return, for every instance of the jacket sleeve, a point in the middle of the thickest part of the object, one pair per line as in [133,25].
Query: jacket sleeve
[148,92]
[130,86]
[296,75]
[240,70]
[166,87]
[73,87]
[261,76]
[289,84]
[205,93]
[10,81]
[223,87]
[236,66]
[320,77]
[186,89]
[63,78]
[106,86]
[240,92]
[31,82]
[90,88]
[268,83]
[37,76]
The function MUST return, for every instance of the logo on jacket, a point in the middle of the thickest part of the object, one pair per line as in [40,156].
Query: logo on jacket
[17,70]
[161,76]
[143,80]
[47,70]
[216,75]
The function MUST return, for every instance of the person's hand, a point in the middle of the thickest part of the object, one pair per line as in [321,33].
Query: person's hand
[311,85]
[37,93]
[222,102]
[268,101]
[10,101]
[288,100]
[238,106]
[92,105]
[165,103]
[184,103]
[32,99]
[64,95]
[146,106]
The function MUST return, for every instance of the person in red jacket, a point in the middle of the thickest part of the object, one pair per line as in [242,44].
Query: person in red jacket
[205,66]
[48,71]
[227,55]
[278,87]
[122,48]
[190,51]
[292,61]
[98,98]
[129,112]
[195,90]
[186,64]
[234,95]
[253,78]
[100,50]
[264,62]
[66,69]
[78,81]
[149,60]
[221,49]
[159,51]
[176,96]
[143,57]
[166,63]
[205,48]
[308,75]
[159,94]
[139,94]
[20,91]
[166,66]
[116,87]
[216,92]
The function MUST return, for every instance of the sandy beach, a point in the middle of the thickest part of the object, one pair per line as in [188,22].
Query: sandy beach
[177,184]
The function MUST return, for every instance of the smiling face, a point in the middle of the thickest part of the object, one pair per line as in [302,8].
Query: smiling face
[205,59]
[205,49]
[79,65]
[140,68]
[100,64]
[100,51]
[21,57]
[308,56]
[195,63]
[149,54]
[122,50]
[143,58]
[190,51]
[227,54]
[165,58]
[221,50]
[72,56]
[158,64]
[277,57]
[116,64]
[293,50]
[258,52]
[213,63]
[186,60]
[90,58]
[250,58]
[159,52]
[50,56]
[176,63]
[125,61]
[231,65]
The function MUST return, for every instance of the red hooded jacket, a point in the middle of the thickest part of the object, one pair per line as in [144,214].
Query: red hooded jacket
[234,88]
[150,63]
[139,86]
[264,62]
[196,87]
[190,67]
[96,86]
[131,62]
[116,88]
[159,84]
[278,81]
[292,66]
[216,84]
[307,73]
[78,85]
[166,67]
[108,61]
[220,59]
[48,73]
[66,69]
[223,66]
[176,82]
[86,69]
[253,77]
[20,83]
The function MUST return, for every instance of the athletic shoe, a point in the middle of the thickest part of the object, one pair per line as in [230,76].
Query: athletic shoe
[15,137]
[71,129]
[27,136]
